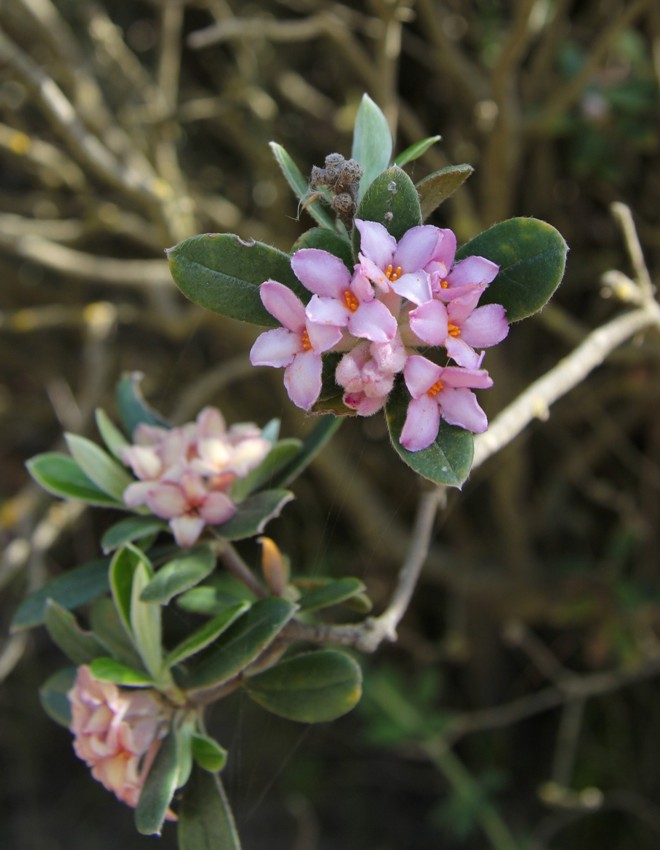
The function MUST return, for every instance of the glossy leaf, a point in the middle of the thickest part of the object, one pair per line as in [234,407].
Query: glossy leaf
[254,514]
[146,620]
[244,641]
[206,634]
[327,240]
[60,475]
[277,458]
[531,255]
[129,530]
[111,435]
[205,818]
[111,670]
[372,142]
[111,632]
[216,596]
[310,688]
[392,201]
[79,646]
[300,185]
[446,461]
[313,443]
[99,467]
[159,788]
[208,753]
[437,187]
[317,593]
[53,695]
[221,272]
[122,570]
[416,150]
[180,574]
[73,588]
[132,407]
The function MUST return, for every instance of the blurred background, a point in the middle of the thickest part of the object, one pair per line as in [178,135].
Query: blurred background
[521,706]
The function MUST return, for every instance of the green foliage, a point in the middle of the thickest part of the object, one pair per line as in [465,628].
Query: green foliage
[79,646]
[372,143]
[437,187]
[206,634]
[415,150]
[133,409]
[279,457]
[159,788]
[208,753]
[53,696]
[298,182]
[180,574]
[317,592]
[205,818]
[326,240]
[99,467]
[110,670]
[130,530]
[392,201]
[254,514]
[62,476]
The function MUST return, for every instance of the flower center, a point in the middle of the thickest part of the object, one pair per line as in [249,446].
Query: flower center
[351,300]
[392,273]
[435,389]
[444,284]
[304,339]
[453,330]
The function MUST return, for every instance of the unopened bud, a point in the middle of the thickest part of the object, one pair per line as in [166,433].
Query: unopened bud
[273,566]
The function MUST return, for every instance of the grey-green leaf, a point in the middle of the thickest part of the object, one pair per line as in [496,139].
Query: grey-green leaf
[326,240]
[132,407]
[60,475]
[206,634]
[146,620]
[110,670]
[111,632]
[110,434]
[159,788]
[223,273]
[79,646]
[531,255]
[320,593]
[437,187]
[372,142]
[300,185]
[99,467]
[129,530]
[254,514]
[53,695]
[392,201]
[179,575]
[205,818]
[208,753]
[415,151]
[277,458]
[310,688]
[318,437]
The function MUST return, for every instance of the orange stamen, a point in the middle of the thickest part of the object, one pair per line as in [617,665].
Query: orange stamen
[444,284]
[304,339]
[435,389]
[392,273]
[453,330]
[351,300]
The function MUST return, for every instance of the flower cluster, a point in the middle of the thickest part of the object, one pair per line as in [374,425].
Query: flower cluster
[400,297]
[186,473]
[117,733]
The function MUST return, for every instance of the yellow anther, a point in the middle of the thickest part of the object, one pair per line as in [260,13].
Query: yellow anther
[304,339]
[351,300]
[435,389]
[444,284]
[392,273]
[453,330]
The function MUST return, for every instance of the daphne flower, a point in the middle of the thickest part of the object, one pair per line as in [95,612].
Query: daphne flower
[367,374]
[342,300]
[297,346]
[117,732]
[440,393]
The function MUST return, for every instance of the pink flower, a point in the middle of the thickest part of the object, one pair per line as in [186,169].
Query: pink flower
[297,345]
[440,393]
[367,374]
[117,732]
[341,300]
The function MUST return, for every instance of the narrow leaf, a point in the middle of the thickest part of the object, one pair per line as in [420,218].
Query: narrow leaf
[327,240]
[372,142]
[205,819]
[110,434]
[449,457]
[206,634]
[110,631]
[392,201]
[321,434]
[310,688]
[180,574]
[437,187]
[79,646]
[277,458]
[133,409]
[222,273]
[71,589]
[158,789]
[244,641]
[214,598]
[300,185]
[531,255]
[122,570]
[416,150]
[208,753]
[99,467]
[320,593]
[254,514]
[146,620]
[129,530]
[60,475]
[53,695]
[111,670]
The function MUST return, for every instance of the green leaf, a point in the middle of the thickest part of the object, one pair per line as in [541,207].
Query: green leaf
[122,570]
[206,634]
[392,201]
[215,597]
[146,620]
[109,629]
[180,574]
[372,142]
[300,185]
[321,434]
[208,753]
[99,467]
[79,646]
[71,589]
[244,641]
[310,688]
[254,514]
[326,240]
[531,255]
[129,530]
[53,695]
[323,592]
[277,458]
[110,434]
[223,273]
[449,457]
[60,475]
[133,409]
[205,818]
[440,185]
[111,670]
[415,151]
[159,788]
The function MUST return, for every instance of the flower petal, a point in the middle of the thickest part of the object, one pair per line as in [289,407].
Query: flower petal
[275,348]
[477,379]
[302,379]
[186,529]
[422,423]
[460,407]
[167,500]
[372,320]
[443,254]
[323,337]
[420,374]
[429,322]
[376,243]
[416,287]
[320,272]
[327,311]
[283,304]
[462,353]
[473,270]
[216,508]
[416,248]
[486,326]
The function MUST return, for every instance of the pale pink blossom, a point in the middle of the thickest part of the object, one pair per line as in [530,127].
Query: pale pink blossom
[367,374]
[117,732]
